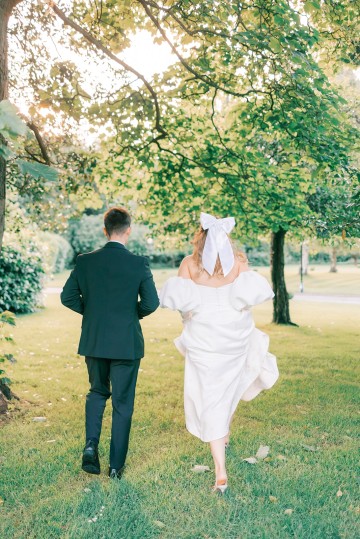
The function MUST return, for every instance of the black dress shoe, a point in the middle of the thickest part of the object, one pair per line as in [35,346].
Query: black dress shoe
[90,458]
[116,474]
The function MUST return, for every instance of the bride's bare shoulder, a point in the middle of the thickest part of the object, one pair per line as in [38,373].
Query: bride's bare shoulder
[241,262]
[185,267]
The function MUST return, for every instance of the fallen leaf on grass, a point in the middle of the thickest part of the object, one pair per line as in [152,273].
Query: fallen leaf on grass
[281,457]
[87,490]
[273,499]
[262,452]
[50,441]
[288,511]
[199,468]
[339,493]
[39,419]
[159,524]
[1,501]
[250,460]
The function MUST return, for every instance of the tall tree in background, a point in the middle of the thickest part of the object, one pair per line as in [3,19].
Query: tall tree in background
[257,148]
[245,119]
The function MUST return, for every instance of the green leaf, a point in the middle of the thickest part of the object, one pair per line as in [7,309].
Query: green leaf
[311,5]
[8,317]
[275,44]
[5,152]
[10,123]
[10,358]
[37,170]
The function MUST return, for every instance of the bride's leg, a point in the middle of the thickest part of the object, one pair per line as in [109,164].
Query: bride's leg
[227,437]
[218,452]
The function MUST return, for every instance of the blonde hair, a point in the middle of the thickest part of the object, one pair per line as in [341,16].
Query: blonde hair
[199,243]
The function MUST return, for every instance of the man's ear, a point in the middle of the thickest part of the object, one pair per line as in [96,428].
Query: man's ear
[129,230]
[105,233]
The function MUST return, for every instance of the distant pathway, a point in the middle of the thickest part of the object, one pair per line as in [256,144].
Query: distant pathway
[52,290]
[354,300]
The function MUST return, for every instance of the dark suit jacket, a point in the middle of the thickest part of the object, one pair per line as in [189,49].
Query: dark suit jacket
[104,287]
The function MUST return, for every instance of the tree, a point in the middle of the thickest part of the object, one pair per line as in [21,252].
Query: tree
[6,7]
[277,129]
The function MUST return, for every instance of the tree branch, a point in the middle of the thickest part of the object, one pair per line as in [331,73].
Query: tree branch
[40,142]
[8,5]
[207,80]
[98,44]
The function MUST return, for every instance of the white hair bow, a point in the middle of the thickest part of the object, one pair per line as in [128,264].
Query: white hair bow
[217,243]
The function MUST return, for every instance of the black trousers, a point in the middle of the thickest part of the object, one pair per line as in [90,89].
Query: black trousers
[122,375]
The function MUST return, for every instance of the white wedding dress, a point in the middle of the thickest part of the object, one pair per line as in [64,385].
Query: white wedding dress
[226,357]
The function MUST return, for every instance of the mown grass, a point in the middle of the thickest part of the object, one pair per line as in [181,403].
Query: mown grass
[318,281]
[313,406]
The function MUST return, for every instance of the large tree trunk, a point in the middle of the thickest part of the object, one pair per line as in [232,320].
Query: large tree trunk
[281,314]
[2,193]
[4,18]
[3,404]
[5,396]
[6,7]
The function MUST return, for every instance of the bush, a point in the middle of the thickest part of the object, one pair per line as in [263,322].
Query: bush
[259,254]
[20,280]
[137,243]
[65,254]
[56,250]
[86,234]
[171,259]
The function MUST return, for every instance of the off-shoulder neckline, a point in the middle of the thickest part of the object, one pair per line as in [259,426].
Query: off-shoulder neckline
[215,287]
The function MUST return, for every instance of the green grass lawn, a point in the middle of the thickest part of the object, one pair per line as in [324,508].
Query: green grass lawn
[318,281]
[308,420]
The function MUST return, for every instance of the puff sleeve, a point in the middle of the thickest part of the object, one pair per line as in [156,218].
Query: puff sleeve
[250,289]
[179,294]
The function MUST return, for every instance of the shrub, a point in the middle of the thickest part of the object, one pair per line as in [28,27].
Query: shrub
[65,254]
[170,259]
[259,254]
[56,250]
[138,243]
[86,234]
[20,280]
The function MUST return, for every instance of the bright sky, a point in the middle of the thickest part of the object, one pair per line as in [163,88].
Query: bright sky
[143,55]
[147,57]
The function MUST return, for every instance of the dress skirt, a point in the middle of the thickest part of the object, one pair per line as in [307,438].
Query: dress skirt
[226,357]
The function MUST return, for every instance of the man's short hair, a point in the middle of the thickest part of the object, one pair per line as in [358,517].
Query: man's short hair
[116,221]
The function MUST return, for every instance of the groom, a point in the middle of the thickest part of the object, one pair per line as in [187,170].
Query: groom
[105,287]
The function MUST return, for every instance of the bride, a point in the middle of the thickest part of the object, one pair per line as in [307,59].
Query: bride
[226,357]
